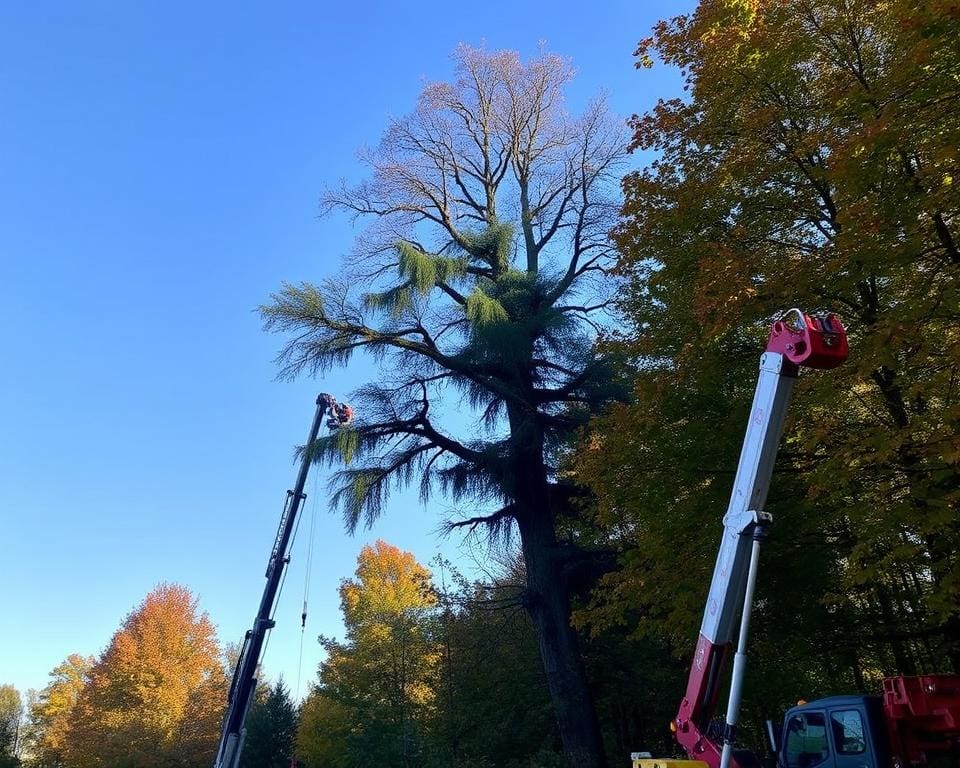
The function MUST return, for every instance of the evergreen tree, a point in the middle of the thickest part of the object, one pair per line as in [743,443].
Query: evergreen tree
[482,273]
[271,730]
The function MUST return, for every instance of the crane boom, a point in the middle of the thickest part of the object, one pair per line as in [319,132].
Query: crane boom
[797,339]
[245,673]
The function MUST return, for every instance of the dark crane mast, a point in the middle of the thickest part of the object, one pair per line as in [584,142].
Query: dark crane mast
[244,681]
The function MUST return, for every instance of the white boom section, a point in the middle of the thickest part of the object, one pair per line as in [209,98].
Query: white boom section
[726,597]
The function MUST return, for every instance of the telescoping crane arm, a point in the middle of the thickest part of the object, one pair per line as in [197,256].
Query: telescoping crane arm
[245,674]
[796,340]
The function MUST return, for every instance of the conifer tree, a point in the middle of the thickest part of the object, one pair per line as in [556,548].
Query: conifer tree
[481,275]
[271,729]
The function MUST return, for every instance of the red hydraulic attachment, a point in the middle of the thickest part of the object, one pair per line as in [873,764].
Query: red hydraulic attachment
[816,342]
[923,715]
[796,339]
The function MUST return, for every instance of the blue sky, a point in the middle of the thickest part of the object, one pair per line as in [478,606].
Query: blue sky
[160,166]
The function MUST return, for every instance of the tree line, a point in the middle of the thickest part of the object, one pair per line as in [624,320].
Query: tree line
[155,696]
[603,326]
[152,697]
[425,675]
[433,670]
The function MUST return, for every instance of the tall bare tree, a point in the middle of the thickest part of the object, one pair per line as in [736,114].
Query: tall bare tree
[483,273]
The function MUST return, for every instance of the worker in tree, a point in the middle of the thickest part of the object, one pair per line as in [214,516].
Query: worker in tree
[338,414]
[344,413]
[329,403]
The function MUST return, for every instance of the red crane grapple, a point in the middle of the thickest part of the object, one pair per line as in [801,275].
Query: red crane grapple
[814,341]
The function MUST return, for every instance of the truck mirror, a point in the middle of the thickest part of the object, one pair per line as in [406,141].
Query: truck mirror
[770,733]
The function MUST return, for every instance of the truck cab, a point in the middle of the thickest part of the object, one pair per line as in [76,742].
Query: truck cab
[835,732]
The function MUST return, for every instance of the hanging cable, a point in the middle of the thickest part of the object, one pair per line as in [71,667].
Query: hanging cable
[309,568]
[306,581]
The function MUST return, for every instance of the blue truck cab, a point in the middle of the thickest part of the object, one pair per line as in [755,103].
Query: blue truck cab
[835,732]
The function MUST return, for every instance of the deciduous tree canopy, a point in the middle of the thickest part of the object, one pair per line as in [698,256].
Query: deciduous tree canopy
[813,163]
[377,685]
[429,677]
[50,713]
[155,696]
[11,716]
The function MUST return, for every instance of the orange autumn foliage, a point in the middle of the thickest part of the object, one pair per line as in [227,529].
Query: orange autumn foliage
[812,162]
[155,697]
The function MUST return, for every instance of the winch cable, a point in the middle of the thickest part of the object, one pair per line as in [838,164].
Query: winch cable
[306,581]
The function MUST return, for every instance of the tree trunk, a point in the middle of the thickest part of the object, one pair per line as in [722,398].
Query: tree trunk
[549,606]
[547,592]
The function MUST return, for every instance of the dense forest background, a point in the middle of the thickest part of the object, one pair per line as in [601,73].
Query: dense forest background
[607,329]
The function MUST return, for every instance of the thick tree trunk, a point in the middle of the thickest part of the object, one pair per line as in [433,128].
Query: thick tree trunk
[547,593]
[549,606]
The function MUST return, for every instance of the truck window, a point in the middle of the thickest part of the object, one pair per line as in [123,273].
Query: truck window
[806,743]
[847,728]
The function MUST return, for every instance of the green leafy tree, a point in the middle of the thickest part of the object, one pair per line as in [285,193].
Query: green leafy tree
[493,704]
[324,734]
[271,730]
[382,673]
[11,721]
[482,272]
[50,712]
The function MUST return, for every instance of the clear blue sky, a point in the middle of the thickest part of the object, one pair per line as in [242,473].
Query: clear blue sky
[160,166]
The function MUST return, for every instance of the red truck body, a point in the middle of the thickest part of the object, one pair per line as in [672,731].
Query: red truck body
[922,714]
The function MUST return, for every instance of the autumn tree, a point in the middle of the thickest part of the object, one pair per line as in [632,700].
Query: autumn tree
[481,273]
[492,702]
[155,696]
[381,673]
[812,164]
[271,729]
[325,733]
[50,713]
[11,721]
